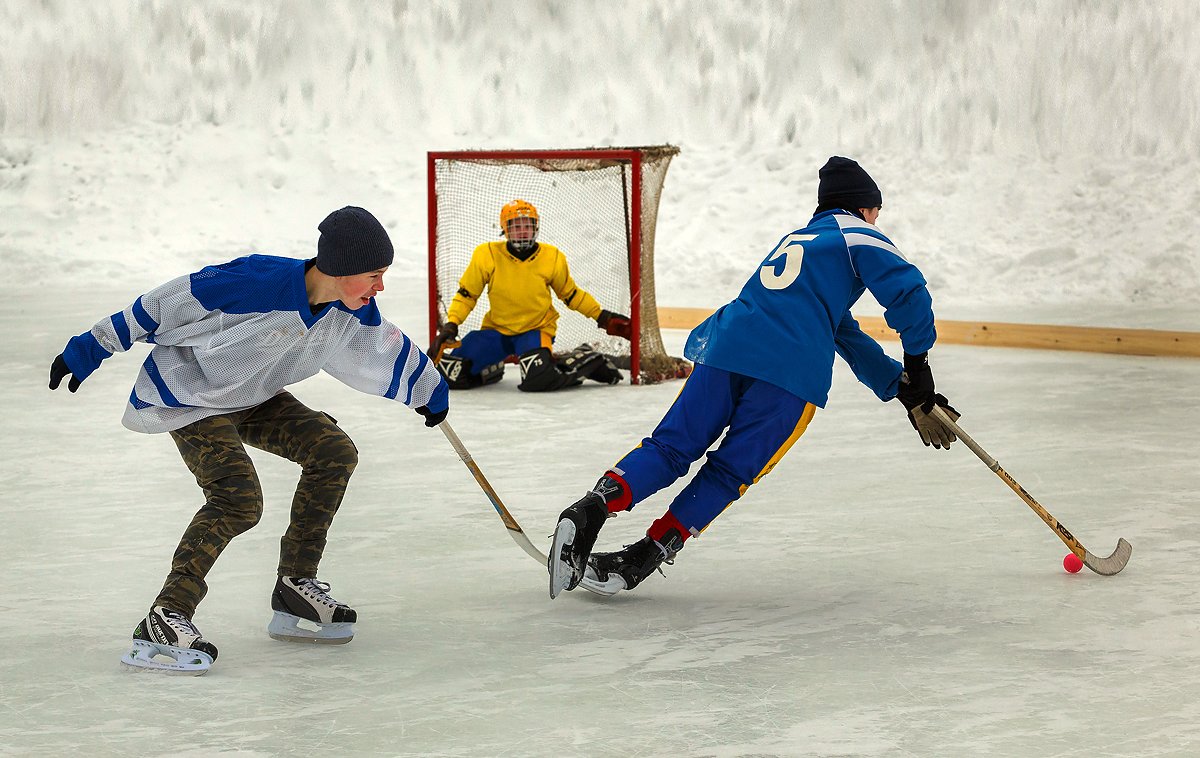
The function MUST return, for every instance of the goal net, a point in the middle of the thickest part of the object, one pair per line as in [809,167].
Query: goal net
[598,206]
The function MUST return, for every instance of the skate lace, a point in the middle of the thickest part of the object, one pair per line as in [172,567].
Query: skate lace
[318,590]
[668,557]
[180,622]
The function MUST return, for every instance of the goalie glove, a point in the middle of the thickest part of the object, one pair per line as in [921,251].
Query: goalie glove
[447,332]
[615,324]
[917,395]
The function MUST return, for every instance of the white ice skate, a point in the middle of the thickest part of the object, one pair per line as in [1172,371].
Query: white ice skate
[168,642]
[304,612]
[607,587]
[574,537]
[563,575]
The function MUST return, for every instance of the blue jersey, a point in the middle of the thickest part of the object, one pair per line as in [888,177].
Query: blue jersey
[230,337]
[794,312]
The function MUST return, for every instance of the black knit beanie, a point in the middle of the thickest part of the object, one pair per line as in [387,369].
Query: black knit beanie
[844,184]
[352,242]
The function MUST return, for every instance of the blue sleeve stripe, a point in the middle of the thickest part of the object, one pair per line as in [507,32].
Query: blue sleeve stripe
[143,318]
[83,355]
[440,399]
[164,392]
[136,401]
[122,330]
[398,369]
[422,362]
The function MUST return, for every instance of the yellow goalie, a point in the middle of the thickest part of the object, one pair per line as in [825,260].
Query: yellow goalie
[519,273]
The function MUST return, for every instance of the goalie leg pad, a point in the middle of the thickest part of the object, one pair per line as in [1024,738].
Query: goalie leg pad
[539,372]
[586,363]
[460,375]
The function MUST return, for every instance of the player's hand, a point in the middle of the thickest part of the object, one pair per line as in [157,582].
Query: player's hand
[919,397]
[433,419]
[58,370]
[447,332]
[932,431]
[615,324]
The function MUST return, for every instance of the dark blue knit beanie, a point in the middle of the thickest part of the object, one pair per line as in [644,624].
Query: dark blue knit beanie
[844,184]
[352,242]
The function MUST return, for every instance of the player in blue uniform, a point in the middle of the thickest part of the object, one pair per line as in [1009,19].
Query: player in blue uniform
[764,364]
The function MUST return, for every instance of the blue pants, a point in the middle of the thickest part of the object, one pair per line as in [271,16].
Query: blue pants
[763,422]
[483,347]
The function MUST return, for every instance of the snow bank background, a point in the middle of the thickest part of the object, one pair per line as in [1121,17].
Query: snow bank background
[1038,159]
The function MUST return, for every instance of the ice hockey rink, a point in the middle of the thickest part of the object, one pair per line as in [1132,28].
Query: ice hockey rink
[870,597]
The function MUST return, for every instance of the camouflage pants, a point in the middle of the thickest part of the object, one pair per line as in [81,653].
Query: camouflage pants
[213,450]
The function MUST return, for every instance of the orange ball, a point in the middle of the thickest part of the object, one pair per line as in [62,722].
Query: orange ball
[1072,563]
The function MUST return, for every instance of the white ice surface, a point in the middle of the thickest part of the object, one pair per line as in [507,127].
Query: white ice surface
[868,598]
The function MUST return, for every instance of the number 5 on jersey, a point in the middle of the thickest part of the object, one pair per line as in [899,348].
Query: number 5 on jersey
[790,253]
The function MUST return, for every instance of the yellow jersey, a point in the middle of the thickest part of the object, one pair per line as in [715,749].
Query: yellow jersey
[519,290]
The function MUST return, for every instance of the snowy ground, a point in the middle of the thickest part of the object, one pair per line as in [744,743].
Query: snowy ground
[869,597]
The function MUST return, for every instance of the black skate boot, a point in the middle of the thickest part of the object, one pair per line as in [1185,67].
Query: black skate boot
[164,634]
[305,600]
[609,573]
[573,540]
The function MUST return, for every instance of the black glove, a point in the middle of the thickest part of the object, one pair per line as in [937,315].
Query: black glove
[918,396]
[615,324]
[447,332]
[433,419]
[916,383]
[60,369]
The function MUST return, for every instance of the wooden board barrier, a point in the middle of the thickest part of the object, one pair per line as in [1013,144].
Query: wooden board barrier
[1092,339]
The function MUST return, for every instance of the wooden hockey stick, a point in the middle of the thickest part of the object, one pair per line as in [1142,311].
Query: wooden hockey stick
[514,529]
[1106,566]
[447,345]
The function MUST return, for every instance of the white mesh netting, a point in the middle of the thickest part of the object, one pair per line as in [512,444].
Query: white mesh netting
[585,208]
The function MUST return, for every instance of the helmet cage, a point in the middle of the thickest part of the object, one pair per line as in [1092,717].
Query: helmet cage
[519,220]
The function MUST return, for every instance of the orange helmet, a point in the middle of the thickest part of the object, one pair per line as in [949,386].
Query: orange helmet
[516,209]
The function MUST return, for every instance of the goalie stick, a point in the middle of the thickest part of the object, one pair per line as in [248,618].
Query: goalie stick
[1106,566]
[514,529]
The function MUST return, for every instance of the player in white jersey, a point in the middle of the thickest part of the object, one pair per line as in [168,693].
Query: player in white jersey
[227,340]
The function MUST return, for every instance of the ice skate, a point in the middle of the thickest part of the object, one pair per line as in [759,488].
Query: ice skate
[168,642]
[609,573]
[573,540]
[304,612]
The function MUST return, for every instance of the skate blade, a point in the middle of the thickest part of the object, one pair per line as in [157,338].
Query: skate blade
[611,586]
[146,656]
[562,573]
[287,628]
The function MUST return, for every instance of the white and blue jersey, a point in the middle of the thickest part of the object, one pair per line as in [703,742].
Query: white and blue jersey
[230,337]
[794,312]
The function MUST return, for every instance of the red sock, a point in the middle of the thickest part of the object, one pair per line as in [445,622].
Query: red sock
[622,499]
[668,522]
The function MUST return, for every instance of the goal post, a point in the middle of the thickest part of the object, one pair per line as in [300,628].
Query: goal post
[599,206]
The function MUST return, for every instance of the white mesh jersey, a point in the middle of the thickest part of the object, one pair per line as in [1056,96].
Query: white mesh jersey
[231,336]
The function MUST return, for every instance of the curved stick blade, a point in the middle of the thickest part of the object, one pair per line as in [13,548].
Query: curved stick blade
[1113,563]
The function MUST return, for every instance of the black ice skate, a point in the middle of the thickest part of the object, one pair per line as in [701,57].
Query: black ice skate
[304,612]
[573,540]
[609,573]
[168,642]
